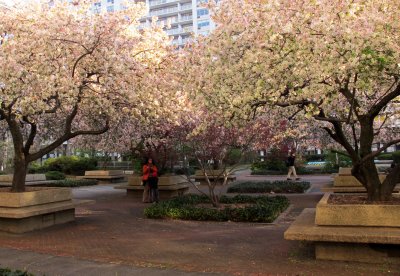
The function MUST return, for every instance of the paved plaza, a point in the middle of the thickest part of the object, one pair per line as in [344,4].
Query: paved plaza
[112,237]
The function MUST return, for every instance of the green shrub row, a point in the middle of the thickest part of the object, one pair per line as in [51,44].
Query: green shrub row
[9,272]
[74,165]
[54,175]
[263,209]
[268,186]
[74,183]
[395,156]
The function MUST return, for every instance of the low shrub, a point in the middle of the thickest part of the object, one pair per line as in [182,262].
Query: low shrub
[55,175]
[74,165]
[9,272]
[269,165]
[268,186]
[71,164]
[395,156]
[73,183]
[262,208]
[314,157]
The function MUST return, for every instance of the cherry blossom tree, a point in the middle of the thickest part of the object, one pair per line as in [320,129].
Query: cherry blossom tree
[336,63]
[66,72]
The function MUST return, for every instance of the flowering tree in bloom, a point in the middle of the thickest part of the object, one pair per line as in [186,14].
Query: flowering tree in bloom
[334,62]
[66,72]
[218,146]
[154,129]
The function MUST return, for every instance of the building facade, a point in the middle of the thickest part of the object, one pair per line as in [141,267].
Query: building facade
[187,18]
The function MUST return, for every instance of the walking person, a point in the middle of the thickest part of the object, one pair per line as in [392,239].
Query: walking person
[290,164]
[150,182]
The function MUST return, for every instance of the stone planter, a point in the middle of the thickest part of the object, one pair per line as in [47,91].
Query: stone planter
[104,176]
[104,173]
[36,208]
[168,187]
[356,215]
[162,180]
[35,197]
[29,177]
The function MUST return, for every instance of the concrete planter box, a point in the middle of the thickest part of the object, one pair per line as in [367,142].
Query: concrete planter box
[29,177]
[36,209]
[37,197]
[356,215]
[351,181]
[103,173]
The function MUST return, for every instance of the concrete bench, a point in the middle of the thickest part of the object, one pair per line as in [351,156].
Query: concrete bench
[213,175]
[104,176]
[347,243]
[168,187]
[351,189]
[37,209]
[30,180]
[344,182]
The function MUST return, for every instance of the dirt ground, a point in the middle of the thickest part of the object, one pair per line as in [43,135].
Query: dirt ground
[113,230]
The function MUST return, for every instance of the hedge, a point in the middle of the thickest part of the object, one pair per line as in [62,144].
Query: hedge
[54,175]
[263,209]
[67,164]
[268,186]
[9,272]
[73,183]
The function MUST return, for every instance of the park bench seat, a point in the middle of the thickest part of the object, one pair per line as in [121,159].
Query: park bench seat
[30,180]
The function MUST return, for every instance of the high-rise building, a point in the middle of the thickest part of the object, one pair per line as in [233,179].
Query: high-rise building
[187,18]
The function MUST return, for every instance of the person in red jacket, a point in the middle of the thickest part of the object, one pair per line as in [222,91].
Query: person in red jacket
[150,181]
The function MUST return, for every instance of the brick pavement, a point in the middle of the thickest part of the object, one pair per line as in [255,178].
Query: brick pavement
[114,231]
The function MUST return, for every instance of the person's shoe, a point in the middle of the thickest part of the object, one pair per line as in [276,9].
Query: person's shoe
[288,179]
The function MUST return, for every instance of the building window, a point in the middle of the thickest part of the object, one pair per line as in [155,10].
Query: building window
[203,24]
[97,7]
[110,8]
[202,12]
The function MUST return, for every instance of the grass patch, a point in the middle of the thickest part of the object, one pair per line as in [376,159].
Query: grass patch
[73,183]
[256,209]
[268,187]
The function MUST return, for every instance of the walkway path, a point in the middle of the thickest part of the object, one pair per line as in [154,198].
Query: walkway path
[111,237]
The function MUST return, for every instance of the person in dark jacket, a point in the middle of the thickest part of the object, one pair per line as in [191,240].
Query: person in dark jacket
[290,164]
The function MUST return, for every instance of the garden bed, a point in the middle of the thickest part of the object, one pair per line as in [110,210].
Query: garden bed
[239,208]
[73,183]
[268,187]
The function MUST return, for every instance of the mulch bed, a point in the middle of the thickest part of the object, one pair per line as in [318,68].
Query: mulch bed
[359,199]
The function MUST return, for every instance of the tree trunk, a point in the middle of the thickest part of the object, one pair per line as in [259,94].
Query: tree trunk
[20,170]
[371,180]
[20,161]
[390,182]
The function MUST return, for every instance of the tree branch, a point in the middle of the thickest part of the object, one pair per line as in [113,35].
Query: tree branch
[376,153]
[66,137]
[375,109]
[31,137]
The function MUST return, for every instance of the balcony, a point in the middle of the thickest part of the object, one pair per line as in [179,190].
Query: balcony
[173,31]
[163,11]
[185,7]
[187,29]
[154,3]
[186,18]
